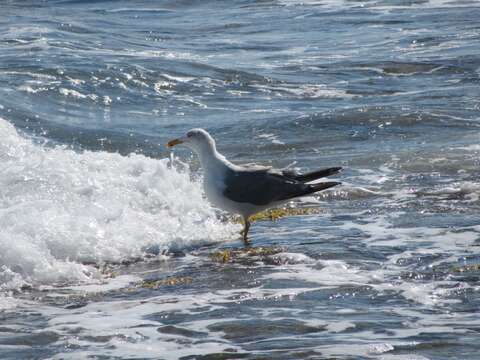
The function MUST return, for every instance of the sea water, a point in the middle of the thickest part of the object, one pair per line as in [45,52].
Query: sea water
[108,248]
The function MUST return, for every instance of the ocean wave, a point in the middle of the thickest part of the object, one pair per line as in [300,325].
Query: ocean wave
[63,213]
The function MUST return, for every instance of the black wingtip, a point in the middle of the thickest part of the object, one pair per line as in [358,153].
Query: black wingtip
[313,188]
[314,175]
[325,185]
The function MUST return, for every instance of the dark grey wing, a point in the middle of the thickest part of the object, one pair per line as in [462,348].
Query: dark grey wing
[261,187]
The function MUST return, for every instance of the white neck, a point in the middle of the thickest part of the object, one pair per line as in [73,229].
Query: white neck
[209,157]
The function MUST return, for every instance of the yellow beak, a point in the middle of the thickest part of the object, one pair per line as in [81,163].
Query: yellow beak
[174,142]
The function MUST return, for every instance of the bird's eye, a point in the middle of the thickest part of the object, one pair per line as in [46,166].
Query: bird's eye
[189,134]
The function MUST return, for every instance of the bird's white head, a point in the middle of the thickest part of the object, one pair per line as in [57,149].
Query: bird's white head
[198,140]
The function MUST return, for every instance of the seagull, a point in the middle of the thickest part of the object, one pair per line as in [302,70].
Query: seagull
[248,189]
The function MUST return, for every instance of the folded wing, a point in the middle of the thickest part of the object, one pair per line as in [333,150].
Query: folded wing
[266,186]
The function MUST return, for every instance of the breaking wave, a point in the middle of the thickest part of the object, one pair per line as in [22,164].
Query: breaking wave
[63,213]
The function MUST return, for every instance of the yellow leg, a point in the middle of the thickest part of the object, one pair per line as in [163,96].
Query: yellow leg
[245,231]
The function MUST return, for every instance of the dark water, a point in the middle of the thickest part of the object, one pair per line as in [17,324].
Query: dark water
[91,206]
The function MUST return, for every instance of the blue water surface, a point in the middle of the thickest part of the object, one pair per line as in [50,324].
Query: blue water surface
[386,267]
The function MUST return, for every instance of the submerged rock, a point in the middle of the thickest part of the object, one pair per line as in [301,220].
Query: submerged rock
[466,268]
[232,255]
[169,281]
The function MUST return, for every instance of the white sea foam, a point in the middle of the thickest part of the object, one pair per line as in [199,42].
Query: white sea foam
[76,94]
[332,273]
[271,137]
[472,147]
[131,331]
[31,90]
[178,78]
[7,302]
[60,210]
[308,91]
[30,74]
[291,258]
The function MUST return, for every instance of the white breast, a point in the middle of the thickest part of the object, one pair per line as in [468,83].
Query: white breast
[214,186]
